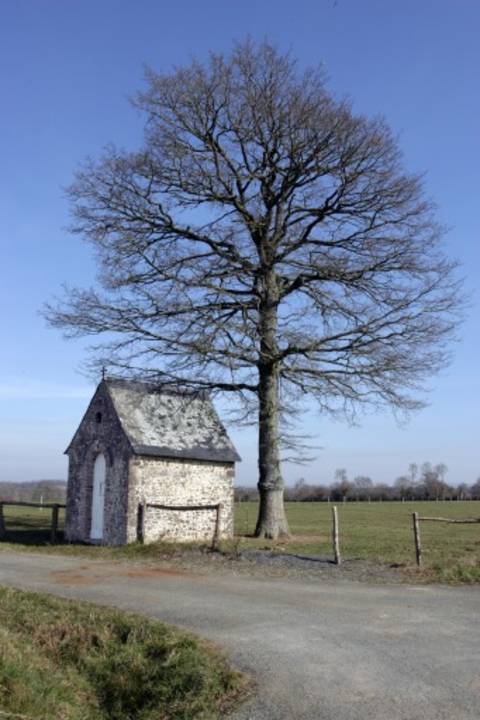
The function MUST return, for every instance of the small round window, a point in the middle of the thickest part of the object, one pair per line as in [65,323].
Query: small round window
[98,417]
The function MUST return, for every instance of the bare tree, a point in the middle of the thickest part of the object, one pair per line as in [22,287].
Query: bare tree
[413,472]
[475,490]
[342,486]
[265,241]
[341,475]
[433,481]
[363,487]
[405,486]
[462,491]
[441,469]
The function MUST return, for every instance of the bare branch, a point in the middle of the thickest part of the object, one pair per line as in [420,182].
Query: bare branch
[265,242]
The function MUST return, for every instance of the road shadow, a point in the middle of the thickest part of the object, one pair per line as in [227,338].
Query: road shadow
[272,557]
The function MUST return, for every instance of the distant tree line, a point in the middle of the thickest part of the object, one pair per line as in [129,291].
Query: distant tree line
[41,491]
[425,482]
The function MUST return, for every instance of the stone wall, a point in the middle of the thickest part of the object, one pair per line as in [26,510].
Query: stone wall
[99,432]
[180,482]
[132,479]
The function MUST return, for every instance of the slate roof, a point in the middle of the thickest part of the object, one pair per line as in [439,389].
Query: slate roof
[170,423]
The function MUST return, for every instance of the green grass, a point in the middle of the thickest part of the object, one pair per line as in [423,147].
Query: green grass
[64,660]
[377,532]
[381,533]
[30,526]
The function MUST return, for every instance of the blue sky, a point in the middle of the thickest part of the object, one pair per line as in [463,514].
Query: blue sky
[68,68]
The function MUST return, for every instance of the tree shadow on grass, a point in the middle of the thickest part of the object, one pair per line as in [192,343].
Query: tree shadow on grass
[29,531]
[316,558]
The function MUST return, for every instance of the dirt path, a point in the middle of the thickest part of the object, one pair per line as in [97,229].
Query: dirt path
[318,650]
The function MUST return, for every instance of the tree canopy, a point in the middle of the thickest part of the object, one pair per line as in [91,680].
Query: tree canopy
[266,241]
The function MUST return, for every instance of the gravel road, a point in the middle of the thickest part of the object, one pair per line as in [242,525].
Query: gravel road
[318,650]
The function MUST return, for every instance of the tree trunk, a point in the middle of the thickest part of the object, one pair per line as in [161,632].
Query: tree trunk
[272,522]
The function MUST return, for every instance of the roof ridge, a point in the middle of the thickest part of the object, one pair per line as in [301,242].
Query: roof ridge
[157,386]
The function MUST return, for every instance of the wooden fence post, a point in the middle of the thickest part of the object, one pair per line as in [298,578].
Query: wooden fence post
[335,539]
[141,522]
[216,535]
[2,522]
[54,530]
[416,534]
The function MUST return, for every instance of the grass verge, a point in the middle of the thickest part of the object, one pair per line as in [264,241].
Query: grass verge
[65,660]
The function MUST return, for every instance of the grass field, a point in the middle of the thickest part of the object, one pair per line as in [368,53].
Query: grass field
[382,532]
[378,532]
[30,526]
[65,660]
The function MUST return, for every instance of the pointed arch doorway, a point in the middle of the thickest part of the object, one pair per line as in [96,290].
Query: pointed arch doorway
[98,497]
